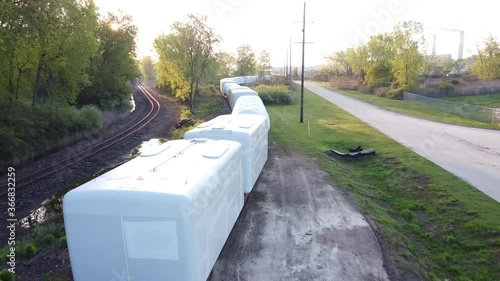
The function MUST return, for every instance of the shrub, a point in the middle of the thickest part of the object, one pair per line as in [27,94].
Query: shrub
[444,86]
[381,91]
[266,98]
[90,118]
[29,251]
[6,275]
[208,89]
[396,94]
[48,239]
[274,94]
[63,241]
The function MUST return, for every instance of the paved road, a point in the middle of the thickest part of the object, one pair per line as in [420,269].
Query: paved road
[469,153]
[296,226]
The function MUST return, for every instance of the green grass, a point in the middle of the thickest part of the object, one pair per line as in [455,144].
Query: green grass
[488,100]
[207,107]
[413,109]
[434,225]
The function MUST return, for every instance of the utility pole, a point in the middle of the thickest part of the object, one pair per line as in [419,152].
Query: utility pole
[303,58]
[291,78]
[303,55]
[287,66]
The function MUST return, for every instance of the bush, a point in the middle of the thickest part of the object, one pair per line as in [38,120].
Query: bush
[29,251]
[381,92]
[90,118]
[48,239]
[274,94]
[396,94]
[63,241]
[6,275]
[27,131]
[444,86]
[266,98]
[207,89]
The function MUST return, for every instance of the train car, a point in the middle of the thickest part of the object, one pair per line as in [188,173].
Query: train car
[238,79]
[236,93]
[250,130]
[249,80]
[251,105]
[228,86]
[164,215]
[224,81]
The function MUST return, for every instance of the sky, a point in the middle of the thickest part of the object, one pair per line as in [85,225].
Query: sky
[331,25]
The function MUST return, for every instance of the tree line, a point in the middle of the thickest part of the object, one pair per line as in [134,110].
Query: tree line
[189,60]
[62,63]
[397,60]
[60,51]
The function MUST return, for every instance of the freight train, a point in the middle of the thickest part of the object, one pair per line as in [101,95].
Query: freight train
[166,214]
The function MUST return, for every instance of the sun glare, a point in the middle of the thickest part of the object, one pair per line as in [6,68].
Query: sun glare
[115,26]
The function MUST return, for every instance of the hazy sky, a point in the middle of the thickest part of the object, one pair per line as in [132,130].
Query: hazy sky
[269,24]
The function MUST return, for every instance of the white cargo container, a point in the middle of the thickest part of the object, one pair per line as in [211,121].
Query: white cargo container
[251,105]
[164,215]
[239,80]
[248,129]
[231,86]
[223,81]
[250,80]
[236,93]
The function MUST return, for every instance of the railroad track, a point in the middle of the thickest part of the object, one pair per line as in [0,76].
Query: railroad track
[73,159]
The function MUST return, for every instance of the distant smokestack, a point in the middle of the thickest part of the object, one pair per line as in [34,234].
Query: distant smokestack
[461,46]
[434,44]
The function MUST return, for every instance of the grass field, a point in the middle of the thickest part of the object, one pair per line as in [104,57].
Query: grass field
[413,109]
[434,225]
[489,100]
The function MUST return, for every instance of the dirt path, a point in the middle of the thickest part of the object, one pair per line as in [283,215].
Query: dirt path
[297,226]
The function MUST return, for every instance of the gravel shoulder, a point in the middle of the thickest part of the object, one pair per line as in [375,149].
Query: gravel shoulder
[297,226]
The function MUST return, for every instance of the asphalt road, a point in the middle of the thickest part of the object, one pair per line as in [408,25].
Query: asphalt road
[297,226]
[471,154]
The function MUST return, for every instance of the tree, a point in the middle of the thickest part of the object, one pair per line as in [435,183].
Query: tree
[295,73]
[487,62]
[114,64]
[339,64]
[358,59]
[459,66]
[168,73]
[437,65]
[407,59]
[48,45]
[225,65]
[147,69]
[264,63]
[245,61]
[188,51]
[380,55]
